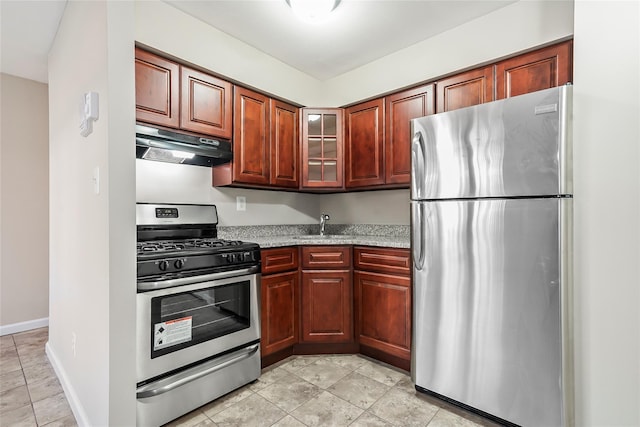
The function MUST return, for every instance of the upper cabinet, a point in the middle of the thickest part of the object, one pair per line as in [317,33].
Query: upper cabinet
[250,137]
[157,90]
[322,148]
[465,89]
[172,95]
[400,109]
[285,143]
[265,143]
[364,144]
[541,69]
[205,103]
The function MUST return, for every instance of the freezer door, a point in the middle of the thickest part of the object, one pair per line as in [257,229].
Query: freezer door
[519,146]
[491,306]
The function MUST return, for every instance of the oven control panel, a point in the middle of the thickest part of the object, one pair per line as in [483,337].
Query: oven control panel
[177,264]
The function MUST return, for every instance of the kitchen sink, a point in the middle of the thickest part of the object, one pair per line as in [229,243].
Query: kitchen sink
[325,237]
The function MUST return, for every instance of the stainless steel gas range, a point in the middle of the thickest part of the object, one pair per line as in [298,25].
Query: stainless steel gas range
[198,320]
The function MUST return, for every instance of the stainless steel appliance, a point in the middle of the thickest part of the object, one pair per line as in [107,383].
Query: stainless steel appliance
[491,209]
[197,308]
[180,147]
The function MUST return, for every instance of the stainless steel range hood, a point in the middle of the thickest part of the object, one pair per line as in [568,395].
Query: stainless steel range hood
[175,147]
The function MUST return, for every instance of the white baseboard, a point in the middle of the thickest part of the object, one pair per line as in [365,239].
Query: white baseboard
[69,392]
[24,326]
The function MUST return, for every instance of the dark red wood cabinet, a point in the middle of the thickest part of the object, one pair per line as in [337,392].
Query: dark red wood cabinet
[465,89]
[541,69]
[173,95]
[327,295]
[400,109]
[382,290]
[279,316]
[265,143]
[364,144]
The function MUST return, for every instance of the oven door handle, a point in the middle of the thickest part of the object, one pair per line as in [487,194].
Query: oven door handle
[167,384]
[163,284]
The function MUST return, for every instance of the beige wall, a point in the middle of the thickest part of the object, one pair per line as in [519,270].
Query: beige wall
[24,204]
[92,240]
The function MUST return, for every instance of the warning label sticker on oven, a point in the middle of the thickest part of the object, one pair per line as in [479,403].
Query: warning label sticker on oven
[171,333]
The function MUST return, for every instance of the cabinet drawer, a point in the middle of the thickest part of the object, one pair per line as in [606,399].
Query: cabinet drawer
[383,260]
[317,257]
[279,259]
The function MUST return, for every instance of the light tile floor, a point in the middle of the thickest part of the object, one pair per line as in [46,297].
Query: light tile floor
[326,390]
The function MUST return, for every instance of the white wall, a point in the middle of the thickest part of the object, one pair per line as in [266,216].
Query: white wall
[92,236]
[24,204]
[511,29]
[607,212]
[158,182]
[163,27]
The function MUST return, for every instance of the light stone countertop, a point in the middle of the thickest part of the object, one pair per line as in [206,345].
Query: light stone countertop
[272,236]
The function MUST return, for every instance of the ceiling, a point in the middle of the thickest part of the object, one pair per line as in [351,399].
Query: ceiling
[358,32]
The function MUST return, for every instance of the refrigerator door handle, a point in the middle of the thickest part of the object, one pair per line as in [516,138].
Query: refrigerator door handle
[417,169]
[417,238]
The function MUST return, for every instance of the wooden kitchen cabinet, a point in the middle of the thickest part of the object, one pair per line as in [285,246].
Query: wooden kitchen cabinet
[364,144]
[382,291]
[285,140]
[465,89]
[541,69]
[400,109]
[250,137]
[172,95]
[157,89]
[327,295]
[322,148]
[279,314]
[205,105]
[265,143]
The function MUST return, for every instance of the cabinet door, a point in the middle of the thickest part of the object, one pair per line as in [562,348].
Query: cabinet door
[541,69]
[279,312]
[250,137]
[327,300]
[401,107]
[277,260]
[157,90]
[364,144]
[383,308]
[464,90]
[205,104]
[322,148]
[284,145]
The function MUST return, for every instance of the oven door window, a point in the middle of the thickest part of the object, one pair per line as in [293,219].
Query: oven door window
[185,319]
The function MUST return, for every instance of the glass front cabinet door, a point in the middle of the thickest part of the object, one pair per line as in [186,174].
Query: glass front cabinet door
[322,164]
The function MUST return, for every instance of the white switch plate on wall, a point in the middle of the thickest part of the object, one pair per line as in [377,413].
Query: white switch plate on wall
[241,203]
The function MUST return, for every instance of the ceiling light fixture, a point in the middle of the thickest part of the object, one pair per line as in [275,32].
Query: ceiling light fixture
[313,11]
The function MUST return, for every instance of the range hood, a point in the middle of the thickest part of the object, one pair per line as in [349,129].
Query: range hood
[176,147]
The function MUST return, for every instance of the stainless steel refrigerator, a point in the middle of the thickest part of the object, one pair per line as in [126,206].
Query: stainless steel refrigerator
[491,209]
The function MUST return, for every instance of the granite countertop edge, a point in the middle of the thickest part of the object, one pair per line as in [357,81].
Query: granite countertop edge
[273,236]
[295,240]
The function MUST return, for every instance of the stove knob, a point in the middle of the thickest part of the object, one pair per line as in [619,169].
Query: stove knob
[178,264]
[163,265]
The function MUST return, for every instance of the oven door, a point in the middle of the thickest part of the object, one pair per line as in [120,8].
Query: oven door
[201,318]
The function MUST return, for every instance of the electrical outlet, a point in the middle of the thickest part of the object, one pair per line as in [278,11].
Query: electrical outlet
[73,343]
[241,203]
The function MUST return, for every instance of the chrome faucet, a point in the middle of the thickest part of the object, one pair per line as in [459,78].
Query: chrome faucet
[323,221]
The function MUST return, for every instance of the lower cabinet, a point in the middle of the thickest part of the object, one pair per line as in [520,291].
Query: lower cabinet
[336,299]
[279,300]
[327,300]
[382,287]
[279,316]
[327,295]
